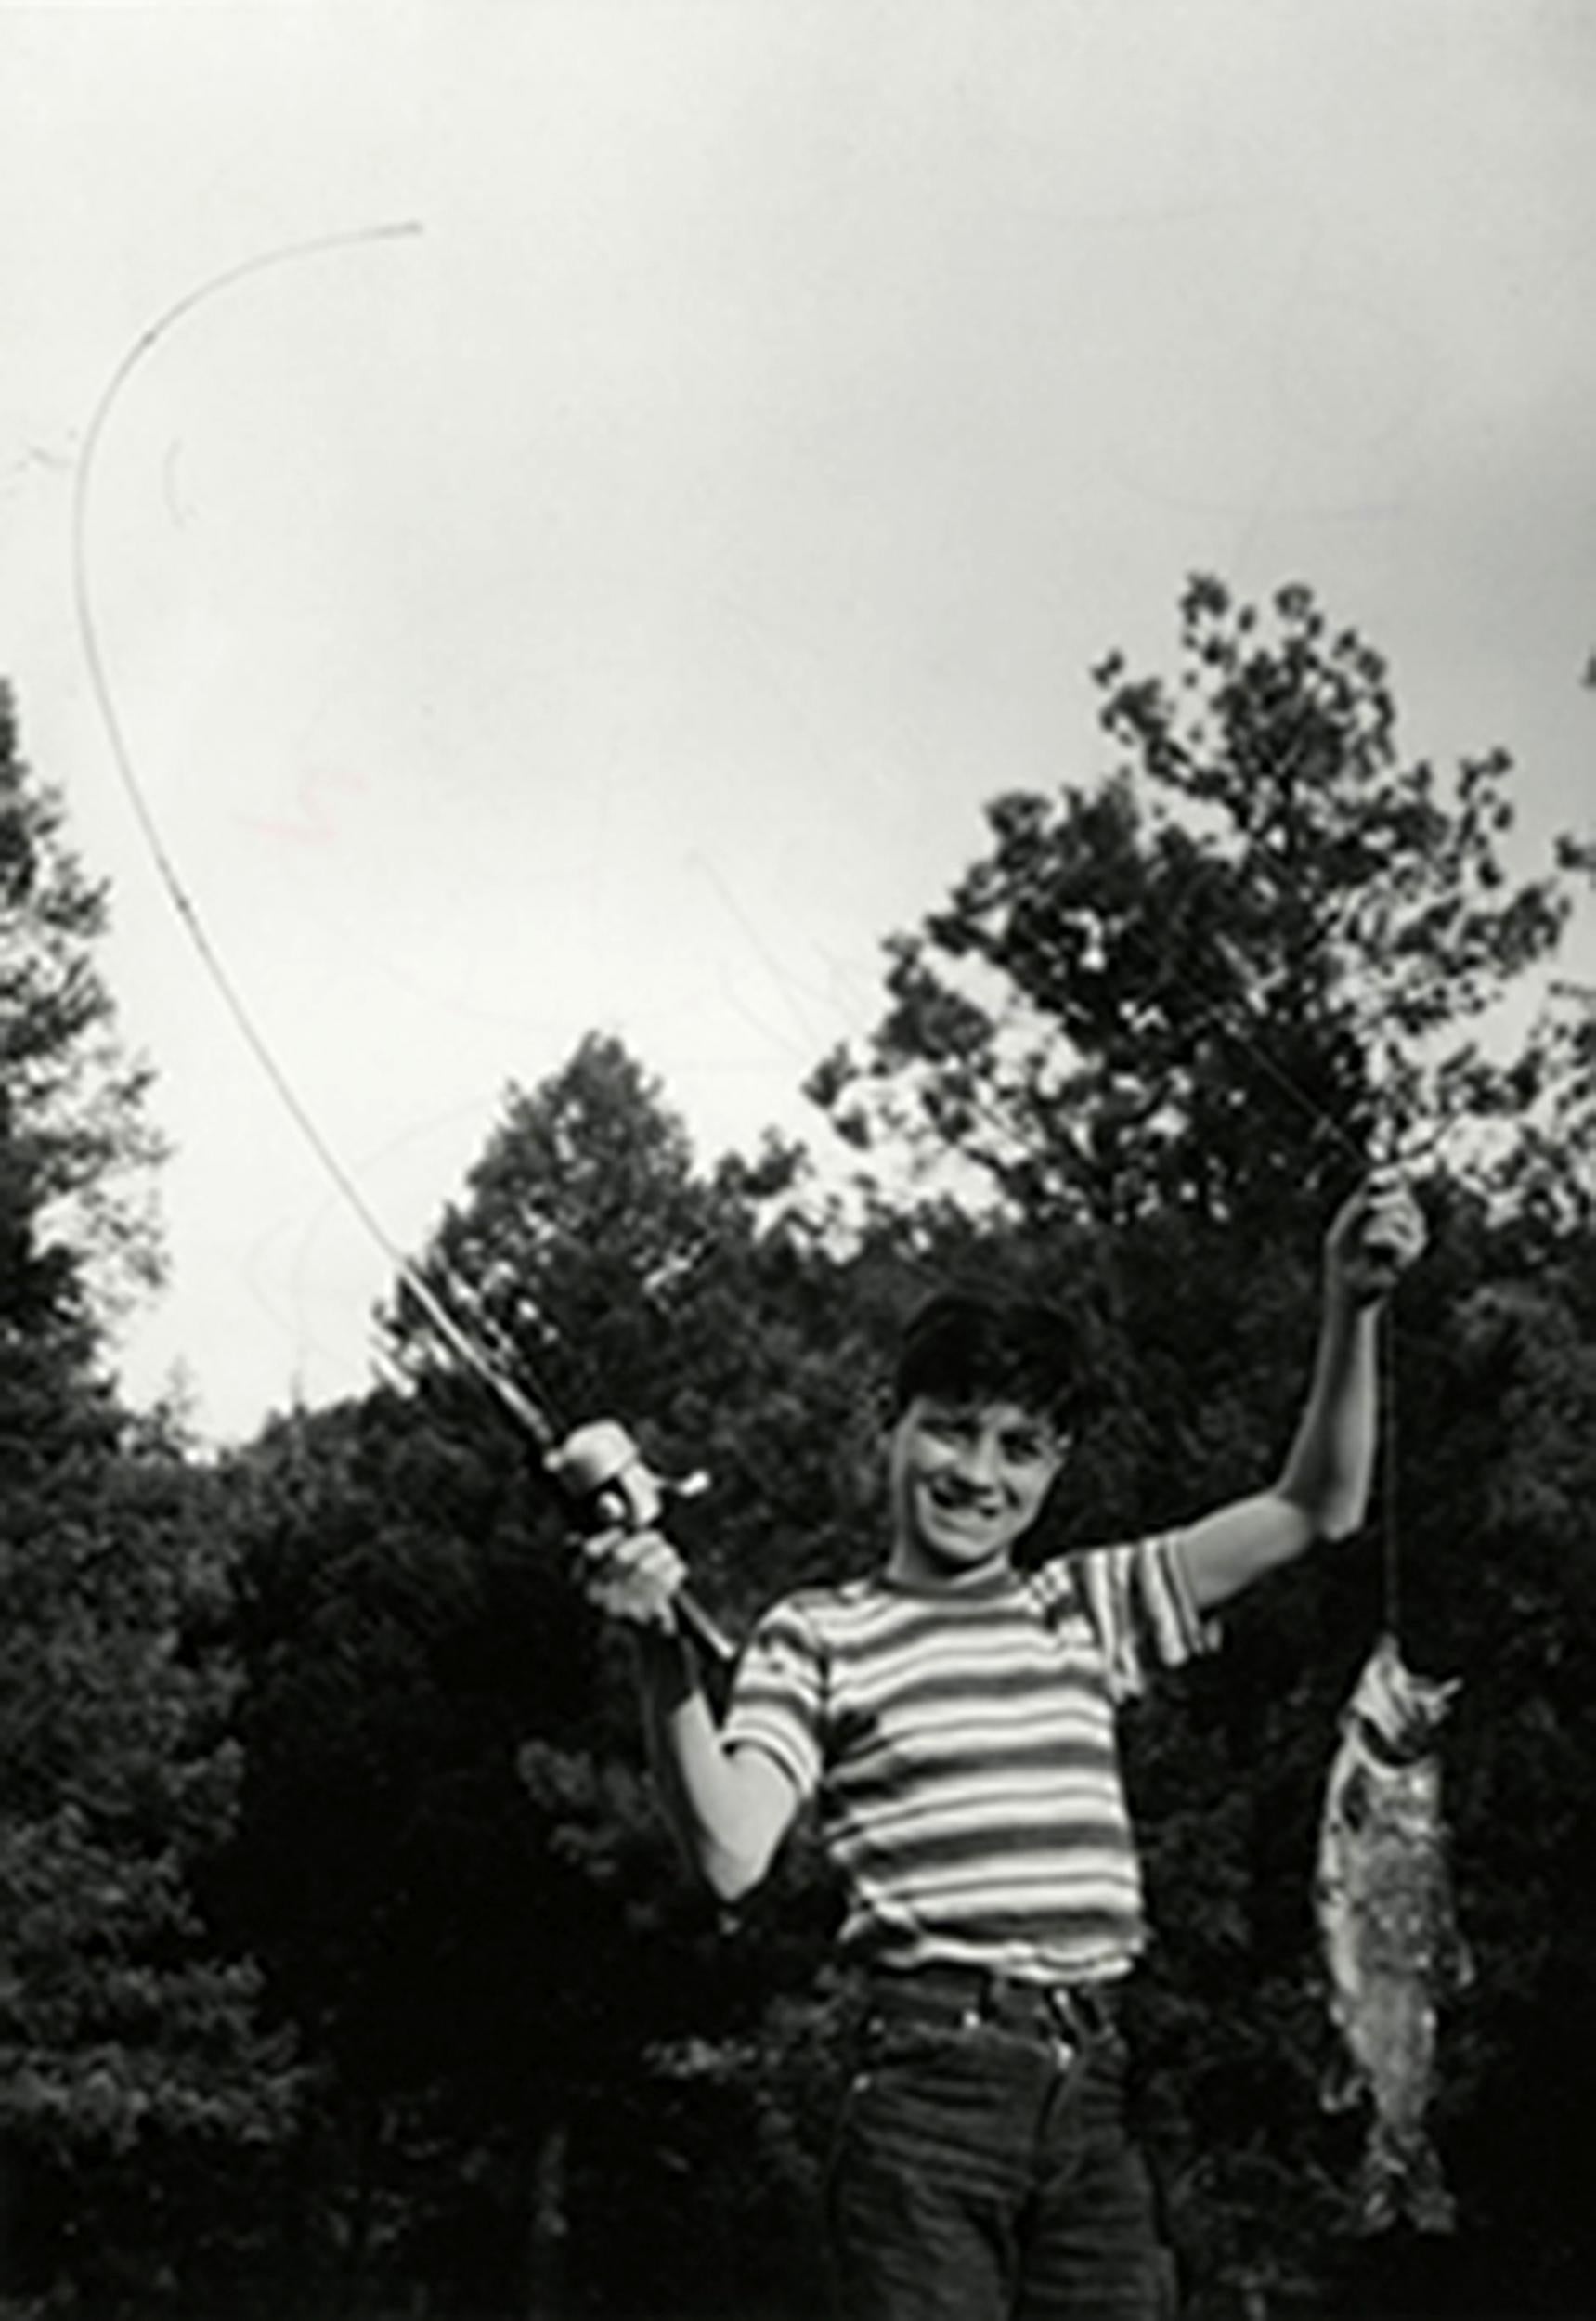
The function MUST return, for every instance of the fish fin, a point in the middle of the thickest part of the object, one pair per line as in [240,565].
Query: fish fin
[1342,2085]
[1461,1969]
[1375,2202]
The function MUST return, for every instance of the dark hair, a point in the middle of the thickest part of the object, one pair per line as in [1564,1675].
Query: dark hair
[974,1345]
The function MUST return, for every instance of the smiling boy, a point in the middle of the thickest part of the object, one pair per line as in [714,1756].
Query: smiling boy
[950,1722]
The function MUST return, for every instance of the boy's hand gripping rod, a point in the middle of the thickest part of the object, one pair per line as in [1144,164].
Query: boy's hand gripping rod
[606,1479]
[597,1469]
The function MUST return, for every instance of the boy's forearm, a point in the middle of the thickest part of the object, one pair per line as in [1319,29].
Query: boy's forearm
[696,1785]
[685,1752]
[1322,1490]
[1374,1237]
[1328,1468]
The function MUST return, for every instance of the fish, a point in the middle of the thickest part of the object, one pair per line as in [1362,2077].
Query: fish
[1392,1948]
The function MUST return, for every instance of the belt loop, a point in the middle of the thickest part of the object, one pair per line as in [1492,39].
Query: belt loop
[1074,2015]
[1078,2011]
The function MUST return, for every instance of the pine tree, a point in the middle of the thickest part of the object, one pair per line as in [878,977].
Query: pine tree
[122,2032]
[1178,1011]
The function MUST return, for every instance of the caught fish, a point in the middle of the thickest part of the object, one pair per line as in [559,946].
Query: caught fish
[1391,1942]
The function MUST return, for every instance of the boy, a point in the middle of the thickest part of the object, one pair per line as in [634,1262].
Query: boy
[952,1720]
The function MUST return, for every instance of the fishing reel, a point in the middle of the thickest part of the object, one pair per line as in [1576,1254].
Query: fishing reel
[600,1470]
[607,1483]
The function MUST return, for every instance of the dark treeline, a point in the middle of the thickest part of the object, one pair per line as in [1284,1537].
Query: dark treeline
[343,1963]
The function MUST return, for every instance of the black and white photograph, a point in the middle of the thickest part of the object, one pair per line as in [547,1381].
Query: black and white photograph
[797,1160]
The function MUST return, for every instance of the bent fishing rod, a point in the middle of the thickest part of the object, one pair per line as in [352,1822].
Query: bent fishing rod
[597,1469]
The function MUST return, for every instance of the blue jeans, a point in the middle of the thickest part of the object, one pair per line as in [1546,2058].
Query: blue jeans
[983,2172]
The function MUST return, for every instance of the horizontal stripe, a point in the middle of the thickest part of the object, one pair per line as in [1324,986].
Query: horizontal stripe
[1102,1870]
[911,1843]
[1000,1675]
[953,1746]
[1011,1791]
[794,1755]
[1100,1862]
[1100,1925]
[963,1751]
[981,1720]
[1106,1913]
[1085,1959]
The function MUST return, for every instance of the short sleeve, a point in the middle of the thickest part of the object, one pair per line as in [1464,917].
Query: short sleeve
[778,1695]
[1143,1610]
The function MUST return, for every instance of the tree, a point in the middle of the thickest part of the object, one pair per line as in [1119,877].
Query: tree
[1169,1016]
[613,1278]
[77,1150]
[399,1631]
[1259,942]
[519,2010]
[448,1858]
[134,2055]
[124,2035]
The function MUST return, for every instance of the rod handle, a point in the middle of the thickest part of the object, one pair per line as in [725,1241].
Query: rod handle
[602,1473]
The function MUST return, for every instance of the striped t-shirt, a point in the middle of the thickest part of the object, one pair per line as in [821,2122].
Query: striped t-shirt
[960,1750]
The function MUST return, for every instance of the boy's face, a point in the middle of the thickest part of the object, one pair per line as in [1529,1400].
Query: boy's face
[968,1479]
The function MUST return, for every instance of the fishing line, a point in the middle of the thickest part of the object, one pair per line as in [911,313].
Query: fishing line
[544,1433]
[1223,1013]
[1390,1561]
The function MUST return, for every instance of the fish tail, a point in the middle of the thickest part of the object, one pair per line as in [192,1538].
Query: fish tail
[1402,2183]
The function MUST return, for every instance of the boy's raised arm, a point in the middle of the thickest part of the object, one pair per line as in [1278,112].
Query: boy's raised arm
[1322,1490]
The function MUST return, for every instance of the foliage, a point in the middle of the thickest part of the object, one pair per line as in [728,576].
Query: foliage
[126,2036]
[118,2020]
[1263,939]
[335,1707]
[1133,1061]
[611,1278]
[1177,1009]
[76,1150]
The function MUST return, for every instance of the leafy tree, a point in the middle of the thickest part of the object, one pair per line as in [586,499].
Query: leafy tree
[448,1857]
[1263,939]
[1167,1017]
[611,1277]
[136,2071]
[76,1148]
[124,2033]
[399,1631]
[449,1860]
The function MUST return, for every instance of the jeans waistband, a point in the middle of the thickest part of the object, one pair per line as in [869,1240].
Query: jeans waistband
[968,1995]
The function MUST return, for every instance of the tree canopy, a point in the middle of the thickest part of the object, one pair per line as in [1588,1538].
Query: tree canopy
[1262,943]
[123,2029]
[345,1948]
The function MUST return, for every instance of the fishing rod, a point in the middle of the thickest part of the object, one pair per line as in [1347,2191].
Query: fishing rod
[596,1467]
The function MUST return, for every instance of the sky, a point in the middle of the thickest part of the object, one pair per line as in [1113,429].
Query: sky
[610,605]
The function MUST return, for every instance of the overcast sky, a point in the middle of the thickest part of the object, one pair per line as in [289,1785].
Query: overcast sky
[611,606]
